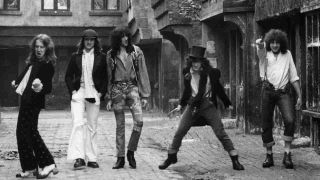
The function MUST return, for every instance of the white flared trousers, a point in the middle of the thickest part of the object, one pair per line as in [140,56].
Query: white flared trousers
[83,139]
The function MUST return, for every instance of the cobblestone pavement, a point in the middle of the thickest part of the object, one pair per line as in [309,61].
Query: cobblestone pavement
[201,155]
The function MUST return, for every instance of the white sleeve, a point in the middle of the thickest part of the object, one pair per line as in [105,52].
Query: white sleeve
[293,75]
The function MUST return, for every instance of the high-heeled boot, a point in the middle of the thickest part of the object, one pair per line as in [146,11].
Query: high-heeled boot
[119,164]
[268,162]
[172,159]
[235,163]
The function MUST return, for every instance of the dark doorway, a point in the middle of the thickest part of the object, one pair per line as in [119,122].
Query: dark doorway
[8,72]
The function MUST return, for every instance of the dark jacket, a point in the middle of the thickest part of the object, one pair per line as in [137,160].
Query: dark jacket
[216,88]
[44,71]
[99,73]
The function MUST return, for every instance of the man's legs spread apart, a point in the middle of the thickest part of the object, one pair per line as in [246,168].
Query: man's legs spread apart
[213,117]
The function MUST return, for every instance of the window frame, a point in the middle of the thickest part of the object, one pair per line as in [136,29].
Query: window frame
[105,6]
[5,6]
[55,6]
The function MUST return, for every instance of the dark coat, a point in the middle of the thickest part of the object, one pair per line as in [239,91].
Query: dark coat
[216,90]
[99,73]
[44,71]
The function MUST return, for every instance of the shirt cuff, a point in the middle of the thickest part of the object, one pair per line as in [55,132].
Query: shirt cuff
[294,79]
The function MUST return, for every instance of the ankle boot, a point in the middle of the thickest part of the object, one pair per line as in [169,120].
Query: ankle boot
[131,160]
[236,164]
[119,164]
[268,162]
[172,159]
[287,161]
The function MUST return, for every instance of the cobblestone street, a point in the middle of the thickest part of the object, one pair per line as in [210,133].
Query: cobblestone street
[201,155]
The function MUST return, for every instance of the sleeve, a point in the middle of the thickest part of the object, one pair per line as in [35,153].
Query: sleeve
[20,77]
[70,74]
[262,55]
[222,94]
[109,75]
[186,91]
[104,76]
[143,77]
[293,75]
[45,77]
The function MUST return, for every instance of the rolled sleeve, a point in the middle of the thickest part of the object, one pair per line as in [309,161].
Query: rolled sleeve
[293,75]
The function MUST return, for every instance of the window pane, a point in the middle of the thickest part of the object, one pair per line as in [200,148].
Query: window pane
[48,4]
[1,4]
[112,4]
[62,4]
[12,4]
[98,4]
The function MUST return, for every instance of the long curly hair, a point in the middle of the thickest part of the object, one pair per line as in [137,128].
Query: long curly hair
[49,56]
[116,36]
[97,46]
[278,36]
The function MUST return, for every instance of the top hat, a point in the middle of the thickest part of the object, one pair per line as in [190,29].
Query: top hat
[90,33]
[197,52]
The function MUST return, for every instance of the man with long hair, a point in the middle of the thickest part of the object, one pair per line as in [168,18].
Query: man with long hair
[33,84]
[201,96]
[277,72]
[86,78]
[129,82]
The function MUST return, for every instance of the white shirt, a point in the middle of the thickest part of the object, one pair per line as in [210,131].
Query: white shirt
[195,78]
[86,78]
[23,84]
[280,69]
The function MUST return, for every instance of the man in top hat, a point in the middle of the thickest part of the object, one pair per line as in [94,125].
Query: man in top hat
[86,78]
[201,96]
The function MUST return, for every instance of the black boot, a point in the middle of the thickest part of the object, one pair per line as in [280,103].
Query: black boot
[236,164]
[268,162]
[172,159]
[287,161]
[131,160]
[119,164]
[79,164]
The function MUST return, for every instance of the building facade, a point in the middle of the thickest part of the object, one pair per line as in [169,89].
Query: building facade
[64,21]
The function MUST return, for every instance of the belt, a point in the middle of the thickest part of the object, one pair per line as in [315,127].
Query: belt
[125,82]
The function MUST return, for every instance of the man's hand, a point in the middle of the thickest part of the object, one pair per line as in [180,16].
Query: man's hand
[229,108]
[178,108]
[298,104]
[109,103]
[144,102]
[260,43]
[13,84]
[37,85]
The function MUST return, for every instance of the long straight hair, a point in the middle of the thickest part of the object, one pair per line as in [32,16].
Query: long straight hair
[97,46]
[49,56]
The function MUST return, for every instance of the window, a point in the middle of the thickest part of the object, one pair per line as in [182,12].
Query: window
[10,5]
[105,5]
[55,5]
[55,8]
[312,26]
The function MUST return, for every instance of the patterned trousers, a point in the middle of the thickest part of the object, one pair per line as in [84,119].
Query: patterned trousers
[126,94]
[32,150]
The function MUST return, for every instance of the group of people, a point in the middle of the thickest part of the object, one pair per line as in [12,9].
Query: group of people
[120,77]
